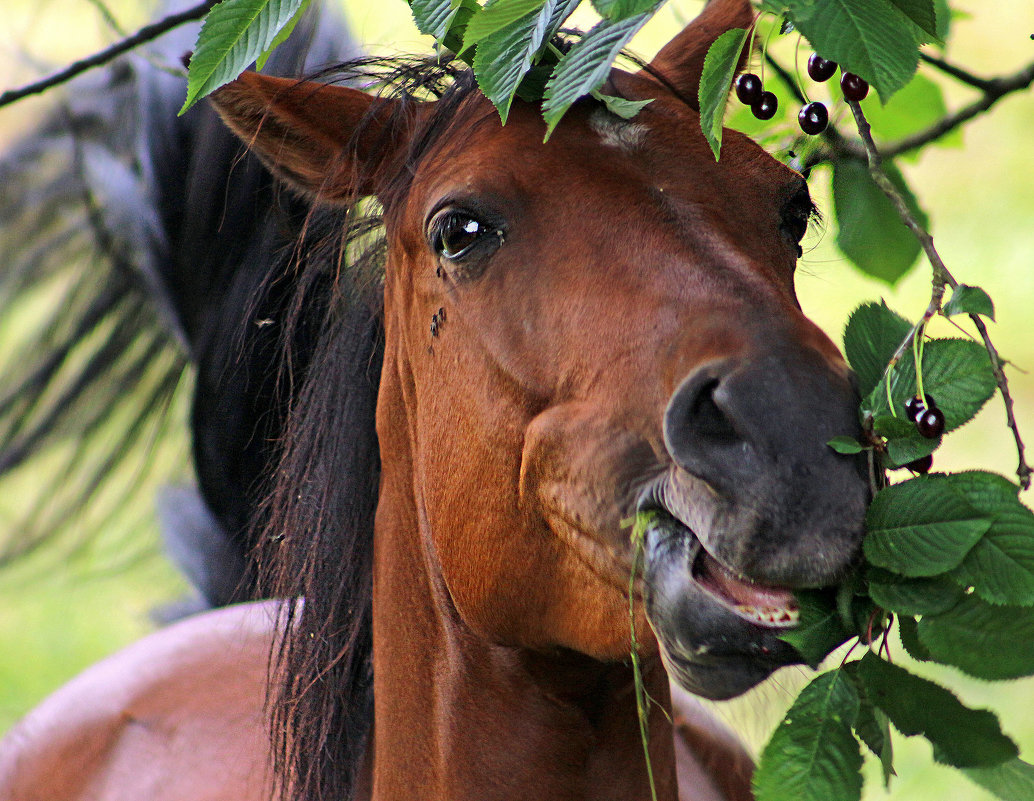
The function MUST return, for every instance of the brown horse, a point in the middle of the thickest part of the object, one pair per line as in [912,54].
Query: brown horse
[573,331]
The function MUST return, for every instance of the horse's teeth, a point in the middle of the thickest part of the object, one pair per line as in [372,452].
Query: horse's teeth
[772,615]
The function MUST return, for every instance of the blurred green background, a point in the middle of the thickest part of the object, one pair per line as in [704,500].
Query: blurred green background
[59,612]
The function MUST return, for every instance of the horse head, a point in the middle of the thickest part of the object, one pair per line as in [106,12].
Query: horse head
[578,330]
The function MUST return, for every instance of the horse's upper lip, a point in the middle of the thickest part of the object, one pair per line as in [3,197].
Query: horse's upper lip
[762,605]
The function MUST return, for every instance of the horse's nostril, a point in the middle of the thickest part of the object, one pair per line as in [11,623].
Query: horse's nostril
[704,415]
[699,432]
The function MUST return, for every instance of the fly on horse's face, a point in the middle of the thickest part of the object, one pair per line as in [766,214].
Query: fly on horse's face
[620,333]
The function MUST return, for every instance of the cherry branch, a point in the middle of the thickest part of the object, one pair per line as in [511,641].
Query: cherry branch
[838,146]
[146,34]
[942,279]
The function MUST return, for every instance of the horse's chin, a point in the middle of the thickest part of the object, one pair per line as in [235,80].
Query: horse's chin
[718,632]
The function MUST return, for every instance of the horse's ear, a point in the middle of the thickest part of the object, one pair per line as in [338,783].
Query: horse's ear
[330,142]
[681,61]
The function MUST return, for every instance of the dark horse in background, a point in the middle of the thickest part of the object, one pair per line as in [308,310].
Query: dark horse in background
[424,422]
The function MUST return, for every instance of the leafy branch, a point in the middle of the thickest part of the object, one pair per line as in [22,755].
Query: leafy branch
[942,279]
[146,34]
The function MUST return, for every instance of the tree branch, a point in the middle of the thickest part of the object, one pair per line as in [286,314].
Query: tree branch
[994,90]
[146,34]
[942,279]
[838,146]
[958,73]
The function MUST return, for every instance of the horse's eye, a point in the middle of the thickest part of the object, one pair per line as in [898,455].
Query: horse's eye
[465,240]
[454,234]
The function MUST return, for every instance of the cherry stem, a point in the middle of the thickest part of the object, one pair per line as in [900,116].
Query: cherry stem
[917,354]
[797,68]
[750,43]
[941,280]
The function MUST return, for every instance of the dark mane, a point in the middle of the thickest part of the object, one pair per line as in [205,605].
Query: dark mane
[317,522]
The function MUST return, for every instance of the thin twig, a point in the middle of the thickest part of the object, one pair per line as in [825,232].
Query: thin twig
[146,34]
[942,279]
[994,90]
[956,72]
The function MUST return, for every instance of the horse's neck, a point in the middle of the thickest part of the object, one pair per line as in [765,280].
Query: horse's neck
[460,718]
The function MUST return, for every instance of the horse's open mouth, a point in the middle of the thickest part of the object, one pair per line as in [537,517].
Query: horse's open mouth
[759,604]
[718,632]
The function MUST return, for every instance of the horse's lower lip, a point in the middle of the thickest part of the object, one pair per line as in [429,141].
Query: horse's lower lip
[761,605]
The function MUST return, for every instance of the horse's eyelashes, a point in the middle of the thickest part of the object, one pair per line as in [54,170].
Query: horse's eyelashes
[797,212]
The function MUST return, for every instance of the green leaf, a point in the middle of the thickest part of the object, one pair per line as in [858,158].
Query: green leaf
[961,736]
[432,17]
[622,9]
[234,34]
[944,19]
[969,300]
[496,16]
[858,614]
[922,13]
[914,108]
[503,59]
[908,630]
[286,31]
[1000,567]
[813,754]
[904,442]
[869,231]
[921,527]
[586,65]
[925,596]
[956,372]
[872,334]
[872,725]
[715,81]
[819,629]
[619,106]
[846,445]
[445,20]
[988,642]
[1010,781]
[866,37]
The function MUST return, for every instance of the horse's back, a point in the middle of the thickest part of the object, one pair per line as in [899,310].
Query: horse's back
[178,715]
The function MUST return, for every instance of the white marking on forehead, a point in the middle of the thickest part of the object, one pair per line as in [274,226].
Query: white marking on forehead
[617,132]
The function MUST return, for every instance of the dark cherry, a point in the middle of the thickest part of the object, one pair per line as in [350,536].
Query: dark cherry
[820,69]
[766,106]
[914,407]
[922,464]
[931,423]
[813,118]
[748,88]
[854,87]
